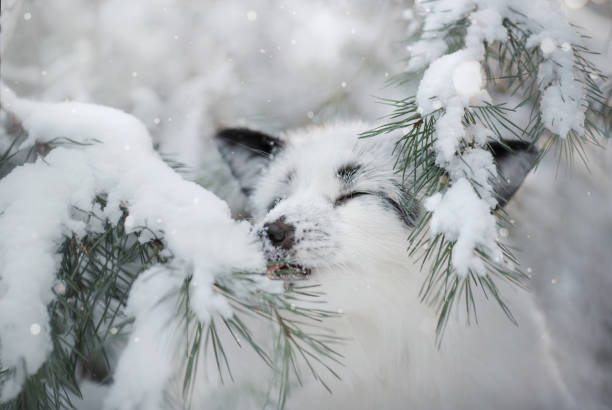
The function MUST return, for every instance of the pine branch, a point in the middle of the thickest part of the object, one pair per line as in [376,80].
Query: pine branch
[95,275]
[512,66]
[99,266]
[300,335]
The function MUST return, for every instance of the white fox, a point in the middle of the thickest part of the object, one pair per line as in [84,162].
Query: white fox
[332,204]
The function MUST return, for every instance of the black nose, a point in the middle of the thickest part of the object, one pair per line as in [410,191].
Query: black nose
[281,234]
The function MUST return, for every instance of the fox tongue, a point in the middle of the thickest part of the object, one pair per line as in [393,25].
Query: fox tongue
[285,271]
[271,271]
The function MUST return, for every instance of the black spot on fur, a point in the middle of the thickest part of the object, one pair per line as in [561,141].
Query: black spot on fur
[347,172]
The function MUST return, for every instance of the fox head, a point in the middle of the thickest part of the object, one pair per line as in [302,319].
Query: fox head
[321,197]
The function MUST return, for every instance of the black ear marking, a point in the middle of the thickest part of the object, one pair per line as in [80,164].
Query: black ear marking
[256,142]
[247,152]
[514,160]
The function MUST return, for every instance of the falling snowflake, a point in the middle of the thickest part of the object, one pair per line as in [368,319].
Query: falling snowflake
[35,329]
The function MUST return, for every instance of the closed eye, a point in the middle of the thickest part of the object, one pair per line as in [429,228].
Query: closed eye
[346,197]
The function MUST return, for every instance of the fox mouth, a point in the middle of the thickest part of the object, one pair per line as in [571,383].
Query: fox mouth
[287,271]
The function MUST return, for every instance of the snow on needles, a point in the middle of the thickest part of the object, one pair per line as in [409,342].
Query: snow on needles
[452,82]
[35,212]
[464,218]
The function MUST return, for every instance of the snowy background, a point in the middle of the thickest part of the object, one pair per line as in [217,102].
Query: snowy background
[186,68]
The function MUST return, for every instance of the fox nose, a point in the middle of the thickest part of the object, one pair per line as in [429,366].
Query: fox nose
[281,234]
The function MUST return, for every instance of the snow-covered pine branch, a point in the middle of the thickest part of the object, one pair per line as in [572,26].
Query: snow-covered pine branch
[493,71]
[104,196]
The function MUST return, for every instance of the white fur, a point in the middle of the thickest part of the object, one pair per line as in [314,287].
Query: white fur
[357,251]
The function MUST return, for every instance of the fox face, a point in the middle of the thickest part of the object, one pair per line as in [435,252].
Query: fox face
[323,198]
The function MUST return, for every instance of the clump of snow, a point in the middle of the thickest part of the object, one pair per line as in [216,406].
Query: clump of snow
[453,82]
[565,110]
[463,217]
[468,79]
[485,25]
[424,52]
[563,104]
[477,165]
[118,159]
[437,81]
[449,132]
[548,45]
[148,362]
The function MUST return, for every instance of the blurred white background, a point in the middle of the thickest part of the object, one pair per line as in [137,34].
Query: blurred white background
[188,67]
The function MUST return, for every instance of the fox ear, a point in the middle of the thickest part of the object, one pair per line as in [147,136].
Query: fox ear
[247,153]
[514,160]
